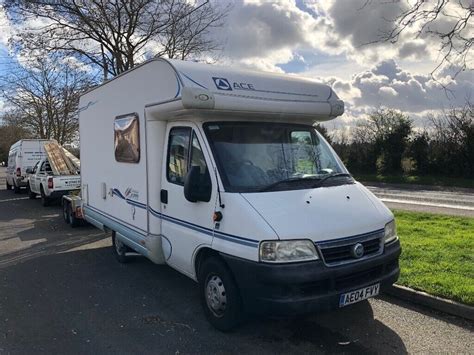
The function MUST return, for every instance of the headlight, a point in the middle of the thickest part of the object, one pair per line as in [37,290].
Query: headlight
[390,232]
[287,251]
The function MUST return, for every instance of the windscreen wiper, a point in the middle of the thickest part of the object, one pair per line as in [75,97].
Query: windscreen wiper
[321,181]
[292,179]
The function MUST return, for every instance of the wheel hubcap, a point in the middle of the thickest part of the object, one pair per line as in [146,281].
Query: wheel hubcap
[216,296]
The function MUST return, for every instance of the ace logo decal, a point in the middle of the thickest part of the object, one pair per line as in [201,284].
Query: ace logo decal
[222,83]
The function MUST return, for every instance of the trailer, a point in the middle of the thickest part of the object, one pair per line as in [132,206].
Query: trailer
[220,174]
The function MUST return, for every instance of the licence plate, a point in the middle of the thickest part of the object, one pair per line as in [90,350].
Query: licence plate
[359,295]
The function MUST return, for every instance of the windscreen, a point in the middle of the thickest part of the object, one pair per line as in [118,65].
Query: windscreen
[255,156]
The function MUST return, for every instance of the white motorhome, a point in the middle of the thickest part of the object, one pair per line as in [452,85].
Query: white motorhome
[23,155]
[220,174]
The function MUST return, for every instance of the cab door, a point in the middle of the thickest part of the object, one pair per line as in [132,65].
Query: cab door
[186,225]
[33,180]
[40,174]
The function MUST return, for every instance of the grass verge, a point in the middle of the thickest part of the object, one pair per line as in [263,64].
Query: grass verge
[421,180]
[437,254]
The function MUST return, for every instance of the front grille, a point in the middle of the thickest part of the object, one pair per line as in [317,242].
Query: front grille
[340,251]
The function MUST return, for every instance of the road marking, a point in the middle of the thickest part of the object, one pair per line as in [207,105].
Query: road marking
[14,199]
[456,207]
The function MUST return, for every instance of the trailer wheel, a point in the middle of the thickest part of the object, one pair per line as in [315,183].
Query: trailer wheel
[120,250]
[219,295]
[66,215]
[31,194]
[44,199]
[73,220]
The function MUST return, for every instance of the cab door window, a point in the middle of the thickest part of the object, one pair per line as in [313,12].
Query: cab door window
[178,154]
[197,159]
[184,152]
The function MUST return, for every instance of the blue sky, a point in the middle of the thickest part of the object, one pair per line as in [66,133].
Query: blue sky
[326,41]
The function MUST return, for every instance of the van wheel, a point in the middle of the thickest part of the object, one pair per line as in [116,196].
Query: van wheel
[219,295]
[120,250]
[31,194]
[44,200]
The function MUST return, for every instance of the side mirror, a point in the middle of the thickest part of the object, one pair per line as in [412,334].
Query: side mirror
[29,171]
[197,188]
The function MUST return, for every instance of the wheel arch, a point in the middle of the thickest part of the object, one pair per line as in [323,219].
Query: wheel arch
[202,254]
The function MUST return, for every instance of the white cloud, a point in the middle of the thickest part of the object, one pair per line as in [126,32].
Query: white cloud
[5,28]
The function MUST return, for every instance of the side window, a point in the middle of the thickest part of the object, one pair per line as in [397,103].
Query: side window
[127,139]
[47,167]
[178,153]
[35,168]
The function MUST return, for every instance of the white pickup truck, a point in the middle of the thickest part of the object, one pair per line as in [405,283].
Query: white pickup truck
[44,183]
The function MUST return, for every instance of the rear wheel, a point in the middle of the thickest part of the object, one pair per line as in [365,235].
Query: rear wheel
[219,295]
[120,250]
[9,187]
[16,189]
[31,194]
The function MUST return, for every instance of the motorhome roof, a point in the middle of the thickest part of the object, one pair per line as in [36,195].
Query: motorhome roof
[213,87]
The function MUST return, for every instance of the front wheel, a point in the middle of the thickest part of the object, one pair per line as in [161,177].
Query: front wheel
[219,295]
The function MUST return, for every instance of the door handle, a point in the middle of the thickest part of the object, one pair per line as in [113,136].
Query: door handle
[164,196]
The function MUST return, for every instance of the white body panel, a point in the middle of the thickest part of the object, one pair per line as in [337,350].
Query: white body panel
[125,197]
[24,154]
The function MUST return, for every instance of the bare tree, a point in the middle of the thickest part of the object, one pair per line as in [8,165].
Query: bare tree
[115,35]
[9,134]
[448,21]
[43,97]
[453,141]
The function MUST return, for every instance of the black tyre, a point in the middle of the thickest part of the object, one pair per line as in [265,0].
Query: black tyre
[16,189]
[120,250]
[45,201]
[73,220]
[31,194]
[219,295]
[9,187]
[66,215]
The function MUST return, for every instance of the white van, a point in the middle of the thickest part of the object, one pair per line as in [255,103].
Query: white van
[220,174]
[23,155]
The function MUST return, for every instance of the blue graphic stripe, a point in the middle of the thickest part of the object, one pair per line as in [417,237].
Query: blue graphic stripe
[186,224]
[116,220]
[195,82]
[129,201]
[208,231]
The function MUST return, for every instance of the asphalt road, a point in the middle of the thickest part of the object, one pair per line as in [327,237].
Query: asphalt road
[454,201]
[61,291]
